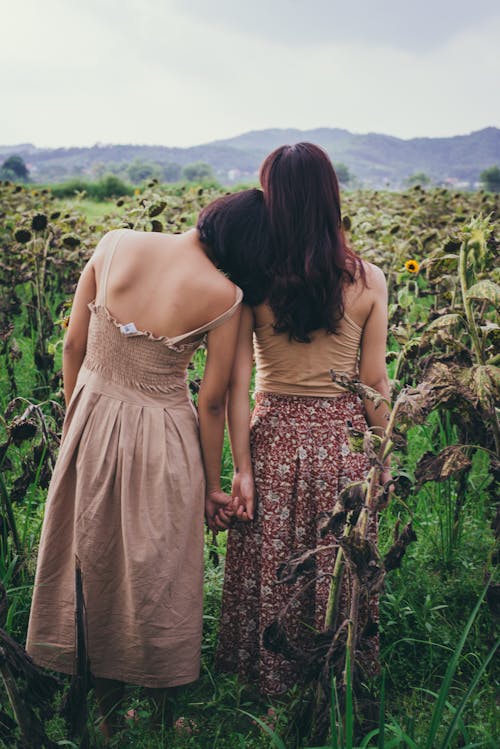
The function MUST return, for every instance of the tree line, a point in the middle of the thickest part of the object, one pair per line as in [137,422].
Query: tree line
[115,177]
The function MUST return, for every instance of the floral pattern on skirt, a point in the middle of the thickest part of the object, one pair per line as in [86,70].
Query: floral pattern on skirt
[301,460]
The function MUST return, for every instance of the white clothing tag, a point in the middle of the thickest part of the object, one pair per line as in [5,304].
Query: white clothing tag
[128,329]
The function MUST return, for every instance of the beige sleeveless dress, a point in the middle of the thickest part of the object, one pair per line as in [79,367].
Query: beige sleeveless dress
[126,500]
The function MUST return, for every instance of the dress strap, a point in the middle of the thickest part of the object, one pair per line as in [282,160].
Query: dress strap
[219,320]
[118,234]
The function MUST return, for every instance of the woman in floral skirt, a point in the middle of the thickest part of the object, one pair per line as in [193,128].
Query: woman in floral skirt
[313,306]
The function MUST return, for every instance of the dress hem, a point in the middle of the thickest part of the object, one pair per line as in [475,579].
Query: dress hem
[121,676]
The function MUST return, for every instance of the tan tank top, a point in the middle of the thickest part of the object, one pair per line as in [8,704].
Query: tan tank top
[293,368]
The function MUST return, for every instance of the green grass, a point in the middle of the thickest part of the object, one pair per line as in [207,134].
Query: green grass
[92,210]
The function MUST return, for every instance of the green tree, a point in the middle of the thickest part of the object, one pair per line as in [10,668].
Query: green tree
[14,168]
[198,172]
[419,178]
[171,172]
[111,186]
[343,173]
[139,171]
[491,179]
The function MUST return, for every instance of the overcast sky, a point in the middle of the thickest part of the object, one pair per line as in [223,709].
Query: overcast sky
[183,72]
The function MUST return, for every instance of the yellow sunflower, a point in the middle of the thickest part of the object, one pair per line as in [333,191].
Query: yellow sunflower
[412,266]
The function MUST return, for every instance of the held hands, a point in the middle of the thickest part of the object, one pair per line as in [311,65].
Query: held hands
[243,491]
[221,510]
[218,509]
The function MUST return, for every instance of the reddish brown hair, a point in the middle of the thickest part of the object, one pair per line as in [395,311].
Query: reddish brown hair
[312,260]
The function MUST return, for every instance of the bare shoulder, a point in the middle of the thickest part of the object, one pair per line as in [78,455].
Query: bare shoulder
[374,275]
[376,283]
[103,244]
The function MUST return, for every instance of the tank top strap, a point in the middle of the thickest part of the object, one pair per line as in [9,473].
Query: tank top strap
[219,320]
[118,234]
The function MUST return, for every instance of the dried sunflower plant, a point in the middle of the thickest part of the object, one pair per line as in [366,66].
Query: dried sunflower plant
[358,571]
[456,359]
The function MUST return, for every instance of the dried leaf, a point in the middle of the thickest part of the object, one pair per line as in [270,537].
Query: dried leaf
[300,562]
[333,522]
[485,290]
[30,724]
[357,387]
[413,348]
[413,405]
[353,495]
[35,683]
[491,333]
[484,381]
[6,332]
[274,638]
[363,559]
[370,630]
[371,446]
[394,556]
[350,500]
[403,485]
[400,334]
[446,384]
[437,264]
[446,321]
[448,462]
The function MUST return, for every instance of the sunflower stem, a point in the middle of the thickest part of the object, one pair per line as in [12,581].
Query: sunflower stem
[462,271]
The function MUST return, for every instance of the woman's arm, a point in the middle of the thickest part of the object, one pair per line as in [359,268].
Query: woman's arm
[221,345]
[372,366]
[75,341]
[238,414]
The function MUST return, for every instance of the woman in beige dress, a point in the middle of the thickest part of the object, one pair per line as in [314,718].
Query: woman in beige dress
[135,468]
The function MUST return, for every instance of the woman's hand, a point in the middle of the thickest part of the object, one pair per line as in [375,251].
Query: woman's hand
[243,491]
[218,510]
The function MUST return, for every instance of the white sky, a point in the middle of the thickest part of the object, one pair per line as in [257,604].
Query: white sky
[184,72]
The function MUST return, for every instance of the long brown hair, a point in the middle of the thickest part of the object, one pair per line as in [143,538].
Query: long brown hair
[312,261]
[235,228]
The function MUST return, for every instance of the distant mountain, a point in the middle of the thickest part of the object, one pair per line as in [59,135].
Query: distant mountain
[374,159]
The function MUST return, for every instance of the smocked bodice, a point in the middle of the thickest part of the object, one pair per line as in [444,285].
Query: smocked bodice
[128,357]
[140,360]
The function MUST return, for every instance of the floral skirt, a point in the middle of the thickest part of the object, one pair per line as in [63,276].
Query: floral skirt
[301,460]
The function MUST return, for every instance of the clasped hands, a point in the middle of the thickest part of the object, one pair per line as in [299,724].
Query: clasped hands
[222,510]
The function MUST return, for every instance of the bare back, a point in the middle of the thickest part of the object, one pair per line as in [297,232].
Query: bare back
[164,284]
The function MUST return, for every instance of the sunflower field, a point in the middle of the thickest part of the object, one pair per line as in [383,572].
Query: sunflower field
[439,535]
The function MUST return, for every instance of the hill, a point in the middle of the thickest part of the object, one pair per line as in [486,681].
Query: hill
[374,159]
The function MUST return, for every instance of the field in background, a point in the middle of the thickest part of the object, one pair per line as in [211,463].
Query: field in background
[438,250]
